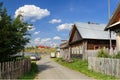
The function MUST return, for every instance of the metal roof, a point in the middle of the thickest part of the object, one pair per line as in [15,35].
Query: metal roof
[64,44]
[93,31]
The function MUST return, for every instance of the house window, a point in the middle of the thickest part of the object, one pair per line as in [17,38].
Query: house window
[90,47]
[96,47]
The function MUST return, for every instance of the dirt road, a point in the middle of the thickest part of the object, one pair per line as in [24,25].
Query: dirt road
[50,70]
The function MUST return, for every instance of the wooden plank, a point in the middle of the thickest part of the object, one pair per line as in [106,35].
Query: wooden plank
[0,71]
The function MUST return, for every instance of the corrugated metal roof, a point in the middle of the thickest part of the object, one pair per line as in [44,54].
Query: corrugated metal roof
[93,31]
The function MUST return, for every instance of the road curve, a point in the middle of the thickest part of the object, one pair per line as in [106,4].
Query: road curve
[50,70]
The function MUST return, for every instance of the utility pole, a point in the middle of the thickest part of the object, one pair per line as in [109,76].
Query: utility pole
[109,19]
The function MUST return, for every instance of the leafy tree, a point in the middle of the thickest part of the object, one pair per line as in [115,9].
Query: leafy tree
[13,34]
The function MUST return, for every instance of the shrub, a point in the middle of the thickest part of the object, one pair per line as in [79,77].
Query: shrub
[103,53]
[117,55]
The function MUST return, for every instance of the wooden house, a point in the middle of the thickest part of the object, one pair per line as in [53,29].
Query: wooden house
[114,25]
[88,37]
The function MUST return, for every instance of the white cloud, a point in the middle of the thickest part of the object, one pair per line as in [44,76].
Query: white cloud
[37,40]
[65,26]
[54,45]
[31,43]
[45,41]
[56,38]
[31,28]
[55,21]
[32,12]
[37,32]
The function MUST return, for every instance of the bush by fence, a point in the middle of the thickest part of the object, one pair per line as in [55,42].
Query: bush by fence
[107,66]
[14,69]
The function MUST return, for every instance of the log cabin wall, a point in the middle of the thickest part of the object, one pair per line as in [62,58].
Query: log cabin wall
[65,53]
[64,49]
[77,49]
[98,44]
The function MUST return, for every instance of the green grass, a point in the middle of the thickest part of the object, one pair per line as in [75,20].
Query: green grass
[82,66]
[32,73]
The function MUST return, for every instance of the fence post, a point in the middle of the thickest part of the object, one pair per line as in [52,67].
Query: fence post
[0,70]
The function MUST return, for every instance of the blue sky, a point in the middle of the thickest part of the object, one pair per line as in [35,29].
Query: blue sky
[51,19]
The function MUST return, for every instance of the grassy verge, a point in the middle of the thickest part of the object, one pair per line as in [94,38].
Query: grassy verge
[32,73]
[82,66]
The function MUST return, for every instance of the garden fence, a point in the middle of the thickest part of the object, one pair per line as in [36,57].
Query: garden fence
[106,66]
[14,69]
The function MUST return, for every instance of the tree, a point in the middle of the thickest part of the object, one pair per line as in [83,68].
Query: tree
[13,34]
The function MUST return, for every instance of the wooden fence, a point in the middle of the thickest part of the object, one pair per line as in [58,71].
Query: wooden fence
[14,69]
[94,53]
[90,53]
[106,66]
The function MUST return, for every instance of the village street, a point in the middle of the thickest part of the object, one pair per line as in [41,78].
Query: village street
[50,70]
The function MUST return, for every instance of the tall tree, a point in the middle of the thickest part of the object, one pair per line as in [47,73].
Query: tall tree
[13,34]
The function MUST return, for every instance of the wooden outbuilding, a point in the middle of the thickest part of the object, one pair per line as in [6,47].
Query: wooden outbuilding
[87,37]
[64,50]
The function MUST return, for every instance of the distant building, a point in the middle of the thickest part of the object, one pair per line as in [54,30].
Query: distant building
[42,46]
[58,55]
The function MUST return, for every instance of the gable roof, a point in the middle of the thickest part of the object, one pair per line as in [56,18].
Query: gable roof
[64,45]
[113,19]
[93,31]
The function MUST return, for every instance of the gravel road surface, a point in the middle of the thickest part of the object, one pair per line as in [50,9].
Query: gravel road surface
[50,70]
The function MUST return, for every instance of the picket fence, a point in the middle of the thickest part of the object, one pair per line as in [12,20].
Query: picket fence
[106,66]
[14,69]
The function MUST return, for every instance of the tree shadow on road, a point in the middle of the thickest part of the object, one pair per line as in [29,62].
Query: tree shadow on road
[44,67]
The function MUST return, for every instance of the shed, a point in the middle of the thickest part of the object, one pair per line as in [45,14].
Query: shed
[64,50]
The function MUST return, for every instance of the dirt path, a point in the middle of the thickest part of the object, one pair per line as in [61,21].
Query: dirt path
[50,70]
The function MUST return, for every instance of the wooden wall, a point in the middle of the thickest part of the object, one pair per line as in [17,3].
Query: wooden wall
[98,44]
[79,49]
